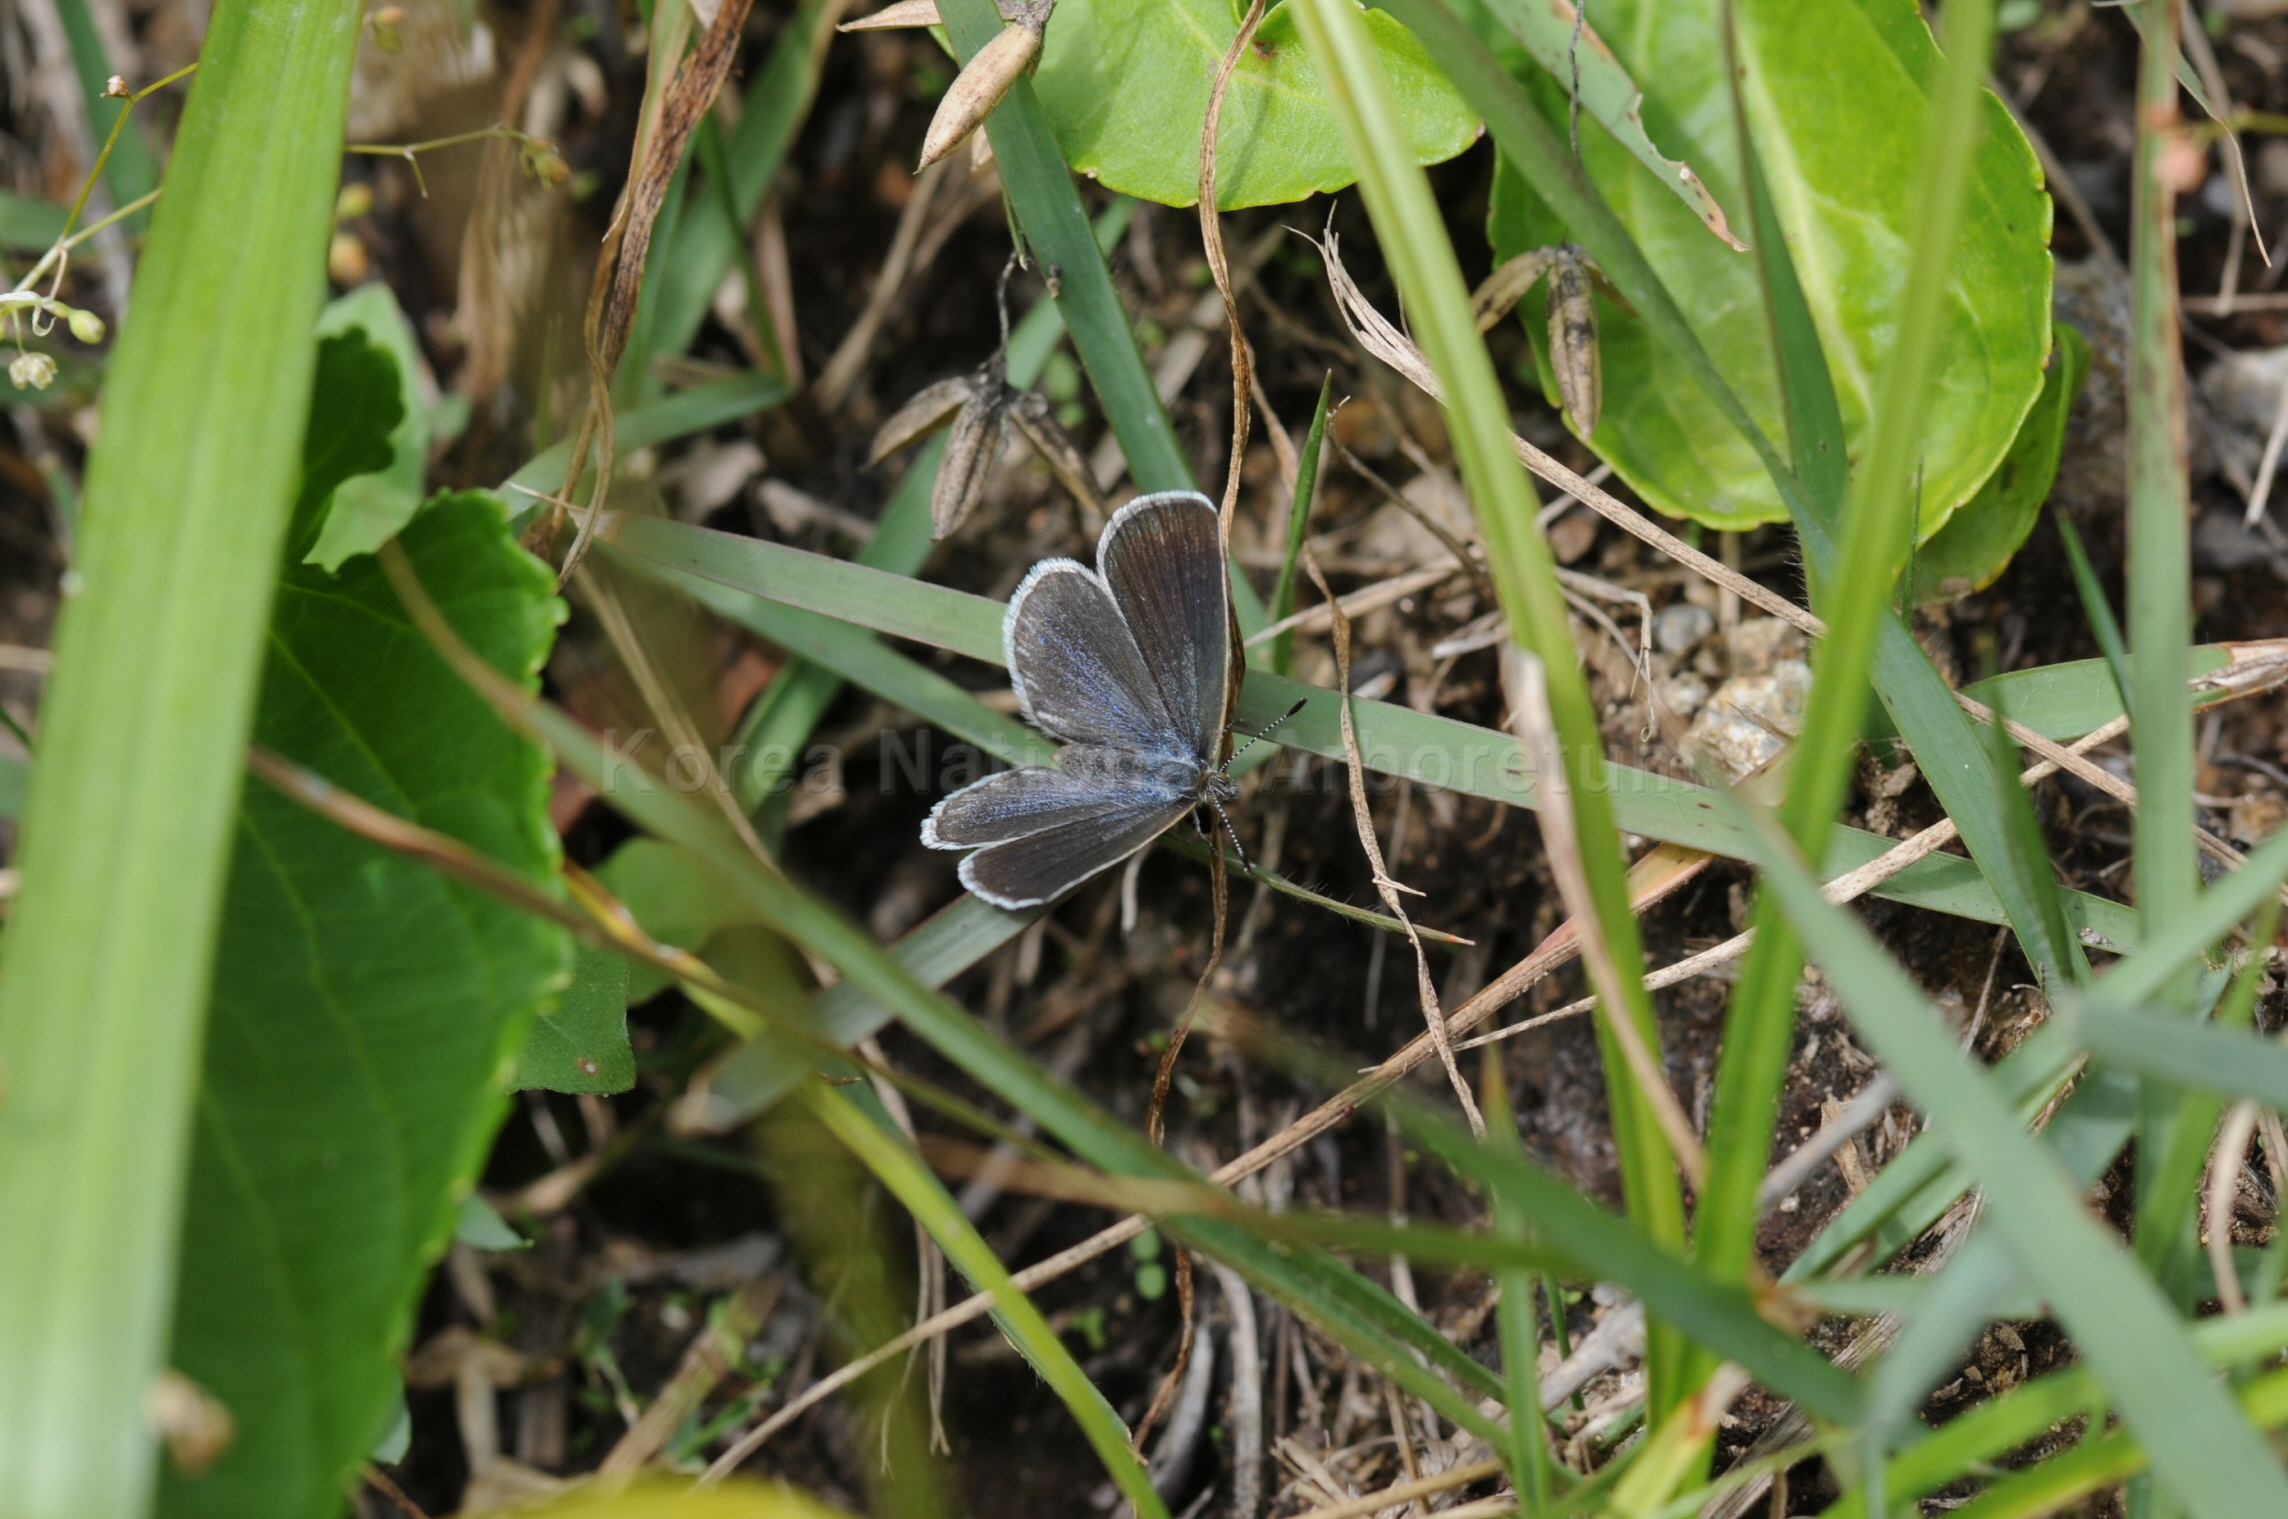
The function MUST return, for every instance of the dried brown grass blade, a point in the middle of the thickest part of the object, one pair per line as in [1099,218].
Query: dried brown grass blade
[619,269]
[1523,683]
[1388,888]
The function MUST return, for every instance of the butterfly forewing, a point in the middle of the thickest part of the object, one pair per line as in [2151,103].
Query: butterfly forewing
[1075,664]
[1162,557]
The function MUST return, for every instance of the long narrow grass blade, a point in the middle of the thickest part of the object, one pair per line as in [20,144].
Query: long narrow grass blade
[142,740]
[2203,1450]
[1422,261]
[2095,607]
[902,1172]
[1878,527]
[1435,751]
[1298,529]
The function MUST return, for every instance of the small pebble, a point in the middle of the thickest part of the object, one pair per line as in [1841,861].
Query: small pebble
[1760,644]
[1680,625]
[1684,694]
[1735,742]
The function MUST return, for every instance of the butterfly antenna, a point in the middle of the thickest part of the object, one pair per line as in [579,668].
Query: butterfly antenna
[1231,833]
[1264,732]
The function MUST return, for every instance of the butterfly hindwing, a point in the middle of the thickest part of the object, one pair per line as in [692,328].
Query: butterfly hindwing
[1027,871]
[1086,783]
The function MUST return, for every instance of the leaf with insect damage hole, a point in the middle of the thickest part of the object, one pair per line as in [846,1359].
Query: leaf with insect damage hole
[366,1012]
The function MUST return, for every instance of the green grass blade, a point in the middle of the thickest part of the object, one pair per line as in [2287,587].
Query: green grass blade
[1298,529]
[1807,390]
[2202,1056]
[1515,1321]
[143,731]
[2030,854]
[1878,527]
[914,1186]
[2203,1450]
[2097,610]
[712,232]
[1422,262]
[1435,751]
[2160,568]
[2213,913]
[1716,1314]
[663,421]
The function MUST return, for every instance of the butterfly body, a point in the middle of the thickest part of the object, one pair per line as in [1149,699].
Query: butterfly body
[1132,663]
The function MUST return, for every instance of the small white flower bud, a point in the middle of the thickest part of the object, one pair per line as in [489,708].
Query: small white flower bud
[32,371]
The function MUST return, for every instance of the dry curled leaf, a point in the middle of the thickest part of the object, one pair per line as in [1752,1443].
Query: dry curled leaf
[1037,420]
[930,409]
[1573,339]
[1572,322]
[972,448]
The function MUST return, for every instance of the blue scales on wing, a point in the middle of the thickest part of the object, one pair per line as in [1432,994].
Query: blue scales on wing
[1162,559]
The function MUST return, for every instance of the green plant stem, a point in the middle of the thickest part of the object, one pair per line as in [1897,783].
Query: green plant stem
[143,732]
[900,1170]
[2171,1142]
[1407,220]
[1878,529]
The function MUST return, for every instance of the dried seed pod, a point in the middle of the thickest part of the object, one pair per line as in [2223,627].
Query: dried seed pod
[1506,286]
[972,448]
[1037,420]
[1573,339]
[978,88]
[890,17]
[930,409]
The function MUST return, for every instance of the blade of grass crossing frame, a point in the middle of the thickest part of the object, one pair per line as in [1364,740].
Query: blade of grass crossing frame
[1396,740]
[2095,607]
[2166,872]
[2030,853]
[1298,528]
[1878,525]
[1413,239]
[1363,1316]
[1528,1455]
[912,1183]
[1807,390]
[1948,751]
[143,732]
[2210,1458]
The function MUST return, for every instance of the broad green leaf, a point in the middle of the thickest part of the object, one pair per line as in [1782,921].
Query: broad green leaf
[581,1044]
[1978,541]
[369,509]
[1836,98]
[353,409]
[1126,86]
[366,1010]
